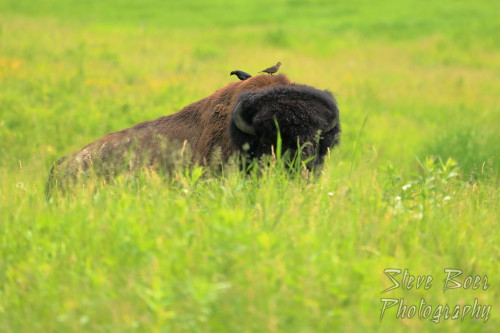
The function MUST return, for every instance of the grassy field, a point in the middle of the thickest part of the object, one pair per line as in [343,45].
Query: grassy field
[414,183]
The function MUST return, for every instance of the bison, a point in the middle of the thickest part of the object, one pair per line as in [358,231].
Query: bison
[244,117]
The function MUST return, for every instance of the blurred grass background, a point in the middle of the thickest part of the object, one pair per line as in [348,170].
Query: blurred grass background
[412,79]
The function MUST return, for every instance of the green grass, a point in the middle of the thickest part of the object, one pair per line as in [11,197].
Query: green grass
[237,253]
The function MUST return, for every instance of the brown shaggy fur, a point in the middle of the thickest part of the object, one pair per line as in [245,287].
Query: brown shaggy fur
[202,127]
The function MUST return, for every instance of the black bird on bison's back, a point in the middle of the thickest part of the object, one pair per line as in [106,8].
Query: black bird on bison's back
[241,75]
[271,70]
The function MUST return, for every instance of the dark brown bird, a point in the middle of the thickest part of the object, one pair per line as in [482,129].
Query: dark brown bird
[271,70]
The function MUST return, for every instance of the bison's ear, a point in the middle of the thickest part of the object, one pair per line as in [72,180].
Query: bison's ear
[241,120]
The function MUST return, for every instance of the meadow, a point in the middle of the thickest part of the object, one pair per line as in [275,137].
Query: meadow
[413,185]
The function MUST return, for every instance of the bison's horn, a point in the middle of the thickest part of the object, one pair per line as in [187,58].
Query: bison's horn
[240,123]
[332,125]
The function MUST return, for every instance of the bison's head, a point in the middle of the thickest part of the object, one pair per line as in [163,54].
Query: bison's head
[307,120]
